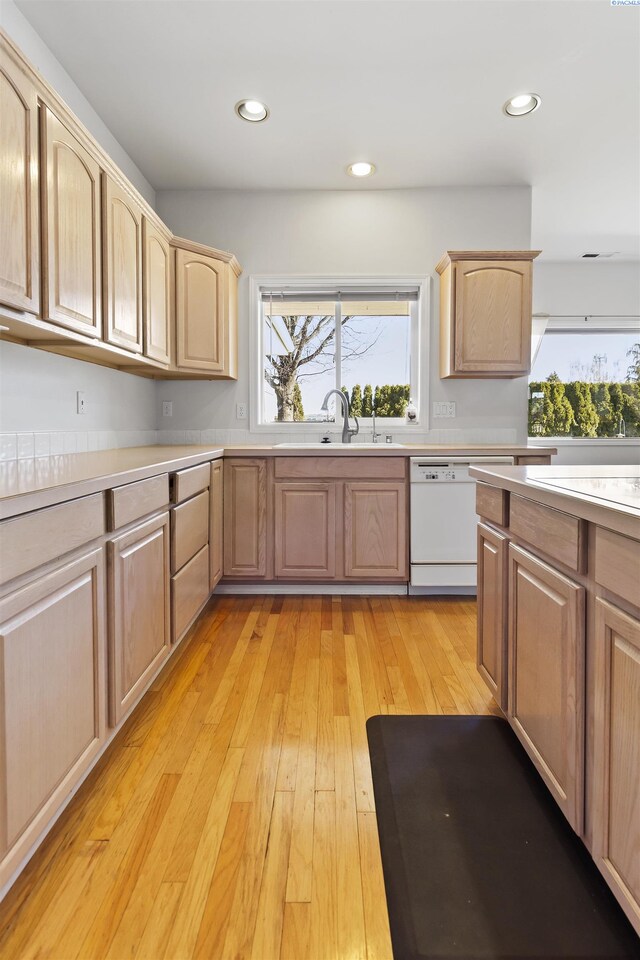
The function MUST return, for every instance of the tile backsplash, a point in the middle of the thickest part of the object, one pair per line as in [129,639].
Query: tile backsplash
[26,446]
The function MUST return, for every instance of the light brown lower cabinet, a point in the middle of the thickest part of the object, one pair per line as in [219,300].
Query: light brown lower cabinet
[189,592]
[52,719]
[616,740]
[546,675]
[139,622]
[375,536]
[492,605]
[216,520]
[245,518]
[305,530]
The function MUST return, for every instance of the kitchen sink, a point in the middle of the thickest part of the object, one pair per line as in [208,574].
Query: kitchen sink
[354,447]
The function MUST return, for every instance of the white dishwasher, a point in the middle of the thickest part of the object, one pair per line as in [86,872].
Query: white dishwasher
[443,523]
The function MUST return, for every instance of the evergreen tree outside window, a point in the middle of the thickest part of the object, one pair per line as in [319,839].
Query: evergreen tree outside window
[586,383]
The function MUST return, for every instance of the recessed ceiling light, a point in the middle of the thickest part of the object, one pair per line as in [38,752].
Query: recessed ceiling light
[521,105]
[252,110]
[361,169]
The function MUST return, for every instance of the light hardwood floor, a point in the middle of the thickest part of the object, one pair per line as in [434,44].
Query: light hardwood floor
[234,816]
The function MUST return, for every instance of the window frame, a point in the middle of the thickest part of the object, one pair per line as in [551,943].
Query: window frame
[419,348]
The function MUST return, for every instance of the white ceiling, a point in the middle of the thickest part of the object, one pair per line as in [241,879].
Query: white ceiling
[416,87]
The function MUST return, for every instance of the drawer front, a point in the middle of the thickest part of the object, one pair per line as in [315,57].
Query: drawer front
[553,532]
[33,539]
[532,461]
[358,468]
[186,483]
[492,504]
[189,529]
[617,564]
[136,500]
[189,591]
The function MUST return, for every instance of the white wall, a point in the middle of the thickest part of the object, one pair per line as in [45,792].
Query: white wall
[598,287]
[393,232]
[38,394]
[26,38]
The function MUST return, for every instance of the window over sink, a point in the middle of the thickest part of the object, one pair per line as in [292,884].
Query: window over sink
[314,335]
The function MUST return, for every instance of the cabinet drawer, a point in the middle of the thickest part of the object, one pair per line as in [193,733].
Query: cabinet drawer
[189,591]
[617,564]
[189,529]
[33,539]
[329,468]
[531,461]
[553,532]
[136,500]
[186,483]
[492,504]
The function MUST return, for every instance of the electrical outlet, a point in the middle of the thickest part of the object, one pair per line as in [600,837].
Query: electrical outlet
[81,403]
[167,408]
[241,411]
[444,409]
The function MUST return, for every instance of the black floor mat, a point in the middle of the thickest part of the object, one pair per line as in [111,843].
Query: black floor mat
[478,860]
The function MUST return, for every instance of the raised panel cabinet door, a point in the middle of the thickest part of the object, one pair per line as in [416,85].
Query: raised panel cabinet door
[156,302]
[616,770]
[375,529]
[122,266]
[216,519]
[492,324]
[546,658]
[200,309]
[19,214]
[52,724]
[492,600]
[139,619]
[245,518]
[305,530]
[70,231]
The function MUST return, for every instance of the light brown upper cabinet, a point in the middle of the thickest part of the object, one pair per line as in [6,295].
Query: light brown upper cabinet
[122,266]
[70,229]
[485,313]
[19,224]
[206,313]
[156,302]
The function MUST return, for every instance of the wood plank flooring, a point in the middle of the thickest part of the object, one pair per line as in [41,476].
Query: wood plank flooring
[234,815]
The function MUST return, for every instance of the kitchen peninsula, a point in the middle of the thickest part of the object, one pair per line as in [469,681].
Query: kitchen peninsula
[559,643]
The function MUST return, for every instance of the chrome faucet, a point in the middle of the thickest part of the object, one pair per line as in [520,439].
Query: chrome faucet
[347,432]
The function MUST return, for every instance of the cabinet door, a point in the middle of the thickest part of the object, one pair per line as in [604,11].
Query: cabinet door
[155,293]
[19,220]
[52,706]
[305,530]
[122,264]
[492,599]
[215,524]
[71,231]
[546,676]
[375,526]
[492,332]
[616,771]
[200,308]
[139,625]
[245,518]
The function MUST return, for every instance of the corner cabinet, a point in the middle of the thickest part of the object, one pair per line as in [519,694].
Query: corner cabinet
[205,311]
[245,518]
[485,313]
[20,235]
